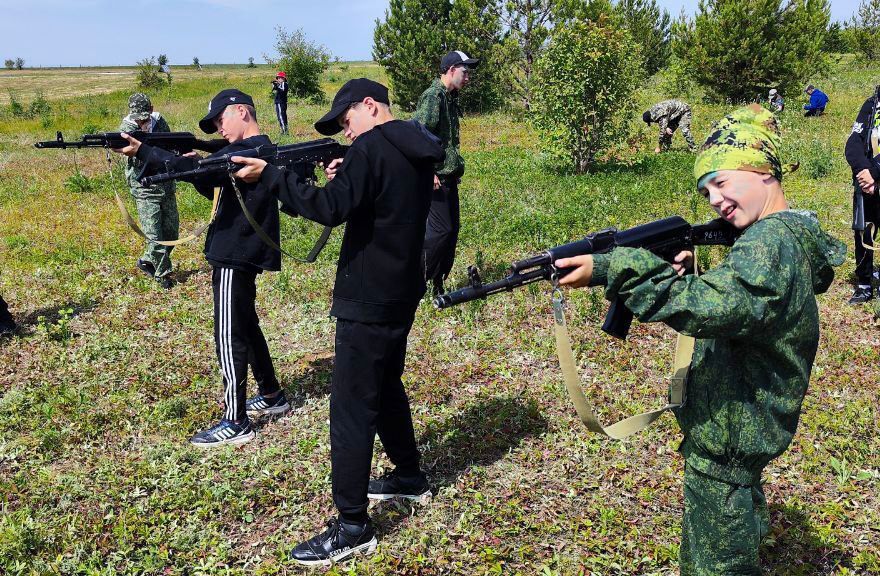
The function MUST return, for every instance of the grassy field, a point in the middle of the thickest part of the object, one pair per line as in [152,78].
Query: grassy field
[109,375]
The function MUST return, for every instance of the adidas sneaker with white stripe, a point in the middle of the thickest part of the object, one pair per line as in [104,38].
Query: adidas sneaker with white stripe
[226,432]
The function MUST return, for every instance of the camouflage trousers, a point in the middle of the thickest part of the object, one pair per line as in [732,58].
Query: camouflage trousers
[722,528]
[157,212]
[684,124]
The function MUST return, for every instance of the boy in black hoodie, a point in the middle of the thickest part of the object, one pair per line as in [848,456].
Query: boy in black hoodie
[237,254]
[382,190]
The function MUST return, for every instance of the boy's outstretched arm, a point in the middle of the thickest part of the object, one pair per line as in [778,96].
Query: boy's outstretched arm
[741,296]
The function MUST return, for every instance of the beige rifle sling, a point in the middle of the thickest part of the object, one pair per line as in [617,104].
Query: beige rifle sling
[684,351]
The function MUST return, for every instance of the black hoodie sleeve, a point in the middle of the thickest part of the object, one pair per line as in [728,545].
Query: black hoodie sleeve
[856,144]
[331,205]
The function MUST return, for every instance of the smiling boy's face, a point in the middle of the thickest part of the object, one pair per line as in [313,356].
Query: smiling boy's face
[740,197]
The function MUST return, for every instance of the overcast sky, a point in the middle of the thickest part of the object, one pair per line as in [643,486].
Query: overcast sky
[121,32]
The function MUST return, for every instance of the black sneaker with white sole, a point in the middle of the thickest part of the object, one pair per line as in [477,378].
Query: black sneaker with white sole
[226,432]
[338,542]
[259,405]
[392,485]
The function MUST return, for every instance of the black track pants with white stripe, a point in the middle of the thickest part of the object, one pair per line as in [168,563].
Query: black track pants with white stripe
[238,339]
[281,113]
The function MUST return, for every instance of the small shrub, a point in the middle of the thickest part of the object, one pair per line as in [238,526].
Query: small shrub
[583,92]
[10,64]
[303,60]
[251,63]
[148,76]
[15,107]
[58,331]
[79,183]
[39,107]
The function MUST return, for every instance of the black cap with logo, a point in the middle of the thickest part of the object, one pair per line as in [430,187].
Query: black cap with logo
[457,57]
[218,105]
[353,91]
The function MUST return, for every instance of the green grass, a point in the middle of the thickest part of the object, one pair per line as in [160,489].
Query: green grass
[110,374]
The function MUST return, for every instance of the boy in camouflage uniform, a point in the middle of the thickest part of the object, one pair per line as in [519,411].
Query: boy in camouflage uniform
[439,111]
[157,204]
[670,115]
[757,327]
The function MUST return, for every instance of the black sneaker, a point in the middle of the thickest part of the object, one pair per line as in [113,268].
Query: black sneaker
[391,485]
[861,295]
[146,267]
[259,405]
[226,432]
[337,543]
[7,327]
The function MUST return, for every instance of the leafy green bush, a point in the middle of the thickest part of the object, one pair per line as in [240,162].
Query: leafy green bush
[10,64]
[148,76]
[303,60]
[739,49]
[583,91]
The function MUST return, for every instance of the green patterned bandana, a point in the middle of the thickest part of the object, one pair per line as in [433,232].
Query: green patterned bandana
[746,139]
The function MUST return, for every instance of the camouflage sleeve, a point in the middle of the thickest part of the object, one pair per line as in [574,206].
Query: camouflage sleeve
[743,295]
[132,165]
[428,110]
[664,123]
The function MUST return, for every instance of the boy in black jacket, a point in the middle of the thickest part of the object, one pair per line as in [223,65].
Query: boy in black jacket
[382,190]
[237,254]
[864,160]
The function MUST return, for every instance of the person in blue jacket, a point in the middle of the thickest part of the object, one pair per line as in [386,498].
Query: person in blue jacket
[818,101]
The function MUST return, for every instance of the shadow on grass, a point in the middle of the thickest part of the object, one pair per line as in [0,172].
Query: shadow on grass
[481,435]
[52,314]
[183,276]
[797,549]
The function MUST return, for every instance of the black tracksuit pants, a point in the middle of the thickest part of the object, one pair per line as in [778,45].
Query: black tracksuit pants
[441,231]
[367,397]
[865,258]
[238,340]
[281,113]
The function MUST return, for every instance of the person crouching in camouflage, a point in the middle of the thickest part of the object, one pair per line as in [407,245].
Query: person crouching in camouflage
[670,115]
[756,325]
[156,205]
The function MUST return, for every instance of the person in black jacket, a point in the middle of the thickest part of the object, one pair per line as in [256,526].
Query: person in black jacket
[864,160]
[7,322]
[382,190]
[237,254]
[279,89]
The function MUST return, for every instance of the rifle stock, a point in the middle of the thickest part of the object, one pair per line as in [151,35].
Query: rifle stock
[666,238]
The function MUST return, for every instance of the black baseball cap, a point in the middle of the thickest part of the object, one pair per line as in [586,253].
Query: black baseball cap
[458,57]
[218,105]
[353,91]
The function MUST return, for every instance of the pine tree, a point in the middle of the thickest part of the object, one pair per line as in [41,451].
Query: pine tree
[738,49]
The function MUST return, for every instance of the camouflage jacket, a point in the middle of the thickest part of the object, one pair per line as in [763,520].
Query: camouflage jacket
[133,166]
[439,111]
[756,323]
[668,112]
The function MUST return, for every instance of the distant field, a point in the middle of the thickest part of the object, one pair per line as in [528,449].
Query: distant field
[63,83]
[110,375]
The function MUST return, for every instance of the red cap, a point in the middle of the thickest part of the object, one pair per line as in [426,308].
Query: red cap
[281,75]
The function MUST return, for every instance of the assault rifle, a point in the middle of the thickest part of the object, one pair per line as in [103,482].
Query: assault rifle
[666,238]
[177,142]
[872,151]
[303,157]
